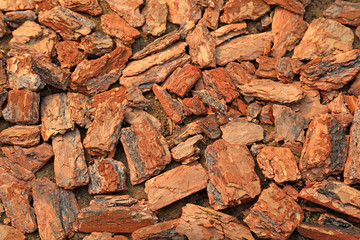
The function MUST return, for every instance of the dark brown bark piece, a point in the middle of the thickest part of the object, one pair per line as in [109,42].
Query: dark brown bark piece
[17,18]
[24,136]
[91,7]
[290,5]
[117,214]
[69,54]
[241,131]
[96,44]
[175,184]
[344,12]
[163,230]
[233,180]
[226,32]
[129,10]
[210,126]
[187,151]
[10,233]
[155,13]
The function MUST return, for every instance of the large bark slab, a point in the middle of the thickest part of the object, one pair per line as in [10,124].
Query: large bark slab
[24,136]
[155,13]
[129,10]
[344,12]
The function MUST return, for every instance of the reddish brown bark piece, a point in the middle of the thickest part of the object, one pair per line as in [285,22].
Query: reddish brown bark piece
[210,126]
[286,68]
[70,25]
[194,106]
[241,131]
[56,210]
[183,79]
[351,103]
[237,11]
[99,236]
[3,26]
[228,31]
[171,106]
[239,74]
[278,163]
[324,37]
[55,115]
[244,48]
[14,173]
[266,20]
[266,115]
[104,131]
[175,184]
[163,230]
[69,160]
[214,103]
[115,26]
[96,44]
[69,54]
[344,12]
[252,111]
[155,13]
[289,125]
[268,90]
[34,39]
[200,223]
[22,107]
[233,180]
[91,7]
[146,151]
[117,214]
[325,149]
[16,200]
[106,176]
[132,116]
[112,95]
[95,76]
[21,75]
[15,5]
[266,67]
[275,215]
[211,14]
[291,5]
[43,5]
[201,46]
[32,159]
[355,87]
[25,136]
[129,10]
[80,109]
[334,195]
[357,32]
[340,111]
[15,19]
[315,231]
[288,29]
[10,233]
[187,151]
[331,72]
[51,73]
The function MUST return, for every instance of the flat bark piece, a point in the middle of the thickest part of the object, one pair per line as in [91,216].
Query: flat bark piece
[214,103]
[211,15]
[56,210]
[15,5]
[113,25]
[155,13]
[200,223]
[331,72]
[24,136]
[135,98]
[16,199]
[219,81]
[139,66]
[275,215]
[334,195]
[291,5]
[10,233]
[33,39]
[244,48]
[187,151]
[91,7]
[163,230]
[70,25]
[183,79]
[32,159]
[43,5]
[344,12]
[253,111]
[278,163]
[315,231]
[227,32]
[129,10]
[55,115]
[69,54]
[351,103]
[94,76]
[17,18]
[20,74]
[51,73]
[238,74]
[96,44]
[201,46]
[266,67]
[210,126]
[132,116]
[325,149]
[340,111]
[355,86]
[104,132]
[80,109]
[238,11]
[117,214]
[175,184]
[324,37]
[183,12]
[99,236]
[289,125]
[12,172]
[268,90]
[106,176]
[288,29]
[193,105]
[241,131]
[156,74]
[286,68]
[69,160]
[233,180]
[146,150]
[112,95]
[171,106]
[22,107]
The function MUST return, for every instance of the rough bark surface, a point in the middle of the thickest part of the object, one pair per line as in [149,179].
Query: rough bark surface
[24,136]
[129,10]
[344,12]
[241,131]
[155,13]
[69,54]
[163,230]
[91,7]
[96,44]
